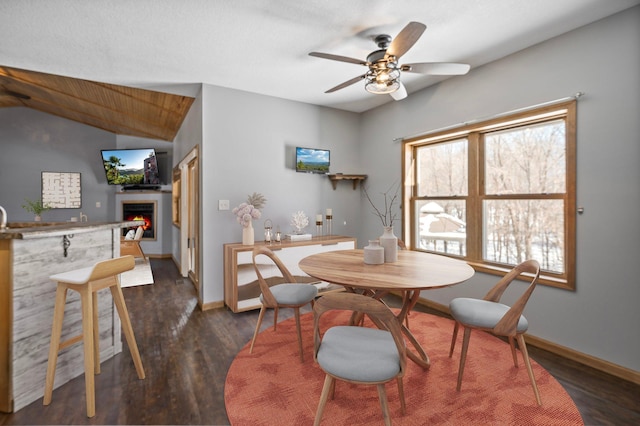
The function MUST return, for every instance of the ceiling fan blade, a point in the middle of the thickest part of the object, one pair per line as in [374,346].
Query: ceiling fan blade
[436,68]
[405,39]
[346,83]
[399,94]
[338,58]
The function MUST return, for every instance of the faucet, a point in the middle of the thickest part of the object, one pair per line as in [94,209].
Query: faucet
[83,217]
[3,222]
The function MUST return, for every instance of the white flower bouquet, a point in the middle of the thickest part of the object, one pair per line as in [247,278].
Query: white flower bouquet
[245,213]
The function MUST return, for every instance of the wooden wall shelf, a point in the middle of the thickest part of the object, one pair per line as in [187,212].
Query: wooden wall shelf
[354,178]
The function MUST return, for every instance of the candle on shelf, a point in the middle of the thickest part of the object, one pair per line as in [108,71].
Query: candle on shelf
[319,225]
[329,214]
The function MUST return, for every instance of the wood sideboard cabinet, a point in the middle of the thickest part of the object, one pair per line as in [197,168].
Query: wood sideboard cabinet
[241,288]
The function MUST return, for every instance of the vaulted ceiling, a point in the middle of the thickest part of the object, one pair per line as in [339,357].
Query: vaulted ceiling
[118,109]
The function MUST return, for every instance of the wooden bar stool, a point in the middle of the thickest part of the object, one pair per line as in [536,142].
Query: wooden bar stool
[87,282]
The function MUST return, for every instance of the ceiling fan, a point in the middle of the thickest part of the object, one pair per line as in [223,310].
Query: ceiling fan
[384,71]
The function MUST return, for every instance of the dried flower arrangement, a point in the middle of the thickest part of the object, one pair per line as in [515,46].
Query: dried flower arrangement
[249,210]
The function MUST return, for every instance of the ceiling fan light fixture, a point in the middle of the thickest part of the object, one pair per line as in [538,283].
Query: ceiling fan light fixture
[382,81]
[382,87]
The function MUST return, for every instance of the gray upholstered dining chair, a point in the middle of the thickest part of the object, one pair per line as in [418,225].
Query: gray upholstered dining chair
[361,355]
[285,295]
[490,315]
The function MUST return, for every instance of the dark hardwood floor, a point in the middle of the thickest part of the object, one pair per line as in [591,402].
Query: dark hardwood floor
[187,352]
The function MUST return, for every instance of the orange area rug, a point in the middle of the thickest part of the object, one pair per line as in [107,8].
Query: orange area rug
[272,387]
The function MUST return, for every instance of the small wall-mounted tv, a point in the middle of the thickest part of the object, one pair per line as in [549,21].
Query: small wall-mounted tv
[131,166]
[312,160]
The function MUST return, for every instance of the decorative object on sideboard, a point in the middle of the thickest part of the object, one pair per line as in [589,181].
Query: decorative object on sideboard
[245,214]
[268,231]
[37,207]
[299,221]
[374,253]
[387,215]
[248,234]
[329,217]
[319,230]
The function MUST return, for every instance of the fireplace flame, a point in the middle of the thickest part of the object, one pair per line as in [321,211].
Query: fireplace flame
[147,221]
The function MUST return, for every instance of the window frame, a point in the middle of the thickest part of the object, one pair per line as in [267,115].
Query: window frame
[474,132]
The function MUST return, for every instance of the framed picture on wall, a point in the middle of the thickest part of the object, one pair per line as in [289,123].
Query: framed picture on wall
[61,190]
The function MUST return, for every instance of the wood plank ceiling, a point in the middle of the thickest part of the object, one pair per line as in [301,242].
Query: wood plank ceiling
[118,109]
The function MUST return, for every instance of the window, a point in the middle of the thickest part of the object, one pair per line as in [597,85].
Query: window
[498,192]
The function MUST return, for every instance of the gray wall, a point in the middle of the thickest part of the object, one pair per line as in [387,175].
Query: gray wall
[32,142]
[603,60]
[248,146]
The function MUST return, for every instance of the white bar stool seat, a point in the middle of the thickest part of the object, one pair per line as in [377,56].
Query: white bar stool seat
[87,282]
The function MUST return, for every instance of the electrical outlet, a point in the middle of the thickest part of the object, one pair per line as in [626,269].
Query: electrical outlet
[98,204]
[223,204]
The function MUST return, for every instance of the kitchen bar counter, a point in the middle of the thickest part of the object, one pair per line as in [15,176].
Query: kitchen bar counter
[30,252]
[29,230]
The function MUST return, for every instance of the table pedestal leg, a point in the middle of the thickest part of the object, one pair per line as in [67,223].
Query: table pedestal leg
[409,300]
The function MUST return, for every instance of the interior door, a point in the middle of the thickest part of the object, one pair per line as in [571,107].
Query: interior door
[194,221]
[189,218]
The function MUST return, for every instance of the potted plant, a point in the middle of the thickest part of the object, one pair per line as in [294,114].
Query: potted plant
[36,207]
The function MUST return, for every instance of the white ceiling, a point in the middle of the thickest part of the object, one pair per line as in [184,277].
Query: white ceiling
[262,46]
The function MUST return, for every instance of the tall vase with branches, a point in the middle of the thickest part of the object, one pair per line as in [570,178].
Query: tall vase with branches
[387,214]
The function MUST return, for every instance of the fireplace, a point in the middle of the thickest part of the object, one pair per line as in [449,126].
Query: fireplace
[141,210]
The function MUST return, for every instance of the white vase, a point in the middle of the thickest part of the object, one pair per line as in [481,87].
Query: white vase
[248,235]
[389,242]
[373,253]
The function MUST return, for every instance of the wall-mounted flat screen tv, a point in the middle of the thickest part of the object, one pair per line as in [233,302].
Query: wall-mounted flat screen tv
[131,166]
[312,160]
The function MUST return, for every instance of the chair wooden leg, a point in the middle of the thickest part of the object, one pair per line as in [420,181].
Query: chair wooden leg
[118,298]
[296,312]
[403,406]
[87,343]
[275,318]
[463,355]
[255,333]
[525,355]
[96,334]
[382,395]
[453,339]
[326,389]
[513,351]
[56,331]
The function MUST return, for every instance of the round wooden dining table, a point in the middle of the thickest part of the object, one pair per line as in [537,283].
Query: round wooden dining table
[413,272]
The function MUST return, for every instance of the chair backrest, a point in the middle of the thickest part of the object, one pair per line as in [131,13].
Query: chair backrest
[377,311]
[267,297]
[111,267]
[139,233]
[527,270]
